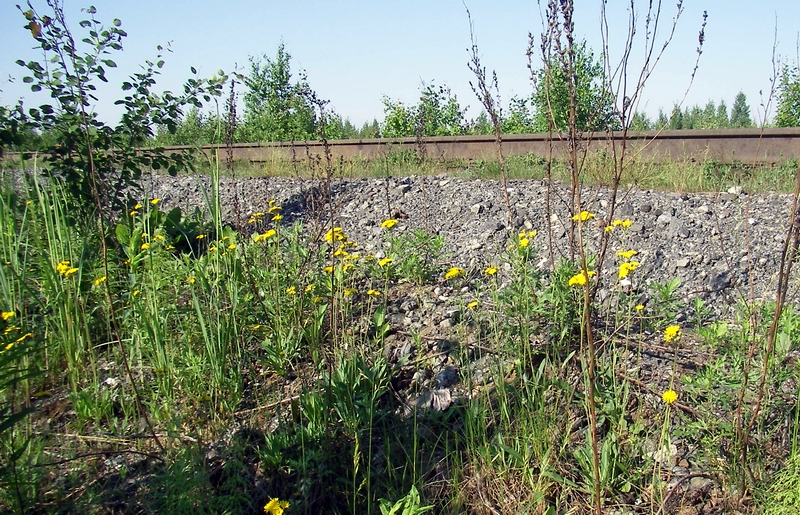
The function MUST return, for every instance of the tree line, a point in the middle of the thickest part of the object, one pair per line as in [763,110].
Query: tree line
[280,105]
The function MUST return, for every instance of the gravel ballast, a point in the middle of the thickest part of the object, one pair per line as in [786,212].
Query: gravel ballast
[721,246]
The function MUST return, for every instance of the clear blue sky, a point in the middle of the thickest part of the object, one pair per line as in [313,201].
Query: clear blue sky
[356,52]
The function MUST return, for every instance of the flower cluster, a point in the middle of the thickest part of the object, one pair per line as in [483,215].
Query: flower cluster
[64,269]
[583,216]
[580,278]
[275,506]
[525,238]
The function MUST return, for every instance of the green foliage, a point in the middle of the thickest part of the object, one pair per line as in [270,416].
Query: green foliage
[276,107]
[408,505]
[788,111]
[437,113]
[93,158]
[518,119]
[595,109]
[740,112]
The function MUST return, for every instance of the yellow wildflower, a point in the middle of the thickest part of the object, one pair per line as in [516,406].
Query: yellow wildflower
[200,236]
[626,268]
[328,269]
[134,212]
[24,337]
[373,293]
[669,396]
[491,270]
[385,261]
[388,224]
[7,315]
[583,216]
[212,248]
[135,293]
[626,254]
[138,206]
[609,228]
[473,304]
[291,290]
[190,279]
[273,210]
[145,246]
[639,307]
[9,346]
[579,279]
[155,201]
[349,291]
[159,237]
[309,288]
[275,506]
[335,234]
[99,281]
[672,332]
[454,272]
[524,242]
[231,246]
[277,218]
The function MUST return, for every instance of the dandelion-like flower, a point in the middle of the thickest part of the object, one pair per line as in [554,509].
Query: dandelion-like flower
[309,288]
[264,236]
[64,268]
[328,269]
[138,206]
[639,307]
[627,268]
[145,246]
[349,291]
[473,304]
[388,224]
[335,234]
[583,216]
[672,332]
[99,281]
[291,290]
[669,396]
[373,293]
[609,228]
[491,270]
[524,242]
[626,254]
[200,236]
[454,272]
[273,210]
[190,279]
[7,315]
[277,218]
[580,278]
[155,201]
[275,506]
[385,261]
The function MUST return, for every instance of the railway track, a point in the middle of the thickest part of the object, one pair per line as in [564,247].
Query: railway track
[747,146]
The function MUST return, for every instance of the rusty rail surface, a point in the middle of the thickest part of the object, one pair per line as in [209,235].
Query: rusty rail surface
[747,146]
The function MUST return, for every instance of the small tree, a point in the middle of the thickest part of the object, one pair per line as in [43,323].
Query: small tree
[788,113]
[740,112]
[595,109]
[438,113]
[276,108]
[520,119]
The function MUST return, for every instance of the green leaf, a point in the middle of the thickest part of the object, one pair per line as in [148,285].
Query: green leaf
[27,79]
[109,63]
